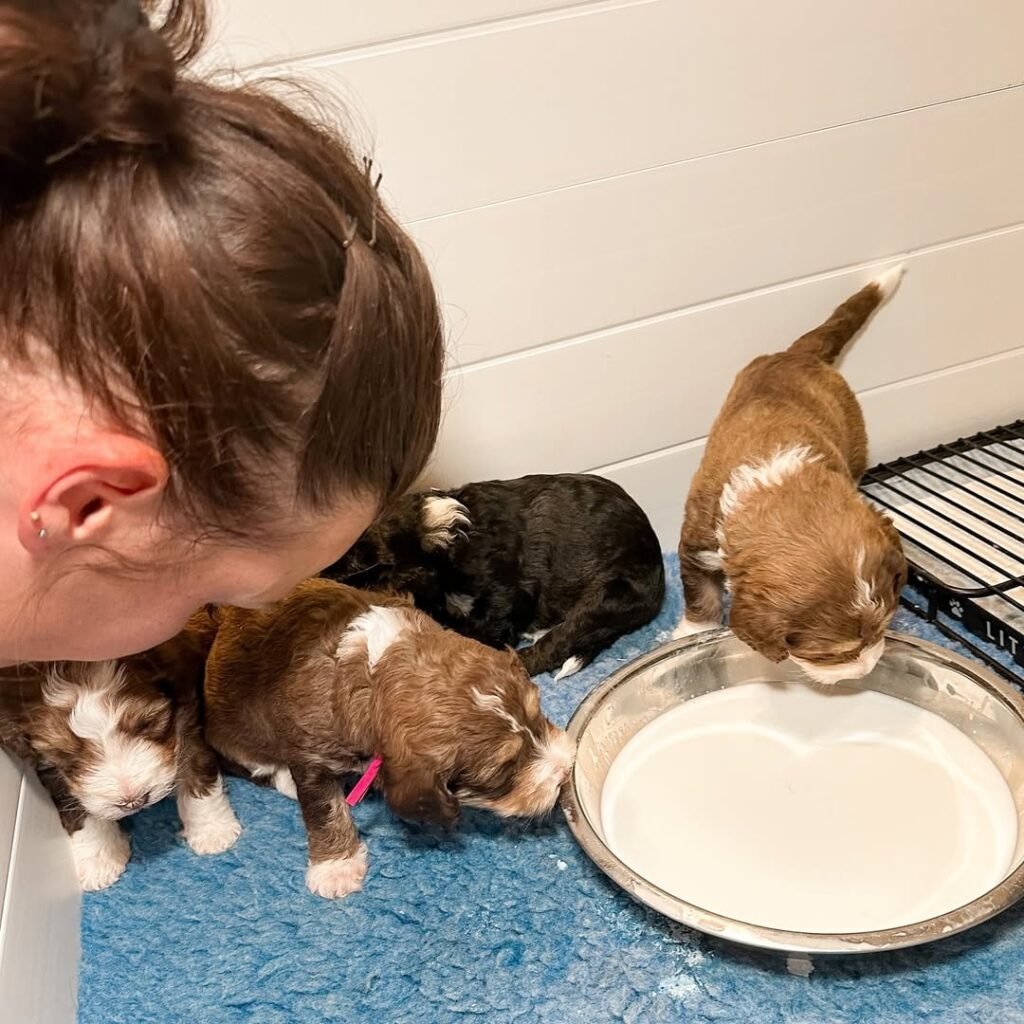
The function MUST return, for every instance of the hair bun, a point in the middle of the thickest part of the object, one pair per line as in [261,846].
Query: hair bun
[81,74]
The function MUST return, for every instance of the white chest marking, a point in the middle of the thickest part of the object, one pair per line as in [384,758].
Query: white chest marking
[376,629]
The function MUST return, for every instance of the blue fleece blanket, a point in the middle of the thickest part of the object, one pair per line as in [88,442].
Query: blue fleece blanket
[503,922]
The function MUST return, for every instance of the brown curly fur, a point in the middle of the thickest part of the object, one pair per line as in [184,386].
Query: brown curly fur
[280,691]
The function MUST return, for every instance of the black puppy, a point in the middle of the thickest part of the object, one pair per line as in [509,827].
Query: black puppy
[568,562]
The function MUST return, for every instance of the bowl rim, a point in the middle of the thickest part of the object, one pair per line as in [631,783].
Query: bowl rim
[984,907]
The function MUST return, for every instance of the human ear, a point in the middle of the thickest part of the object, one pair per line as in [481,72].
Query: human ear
[89,488]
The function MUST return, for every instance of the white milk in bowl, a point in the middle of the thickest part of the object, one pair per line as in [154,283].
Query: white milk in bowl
[815,811]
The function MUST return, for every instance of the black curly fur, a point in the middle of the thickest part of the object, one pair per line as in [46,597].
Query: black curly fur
[573,554]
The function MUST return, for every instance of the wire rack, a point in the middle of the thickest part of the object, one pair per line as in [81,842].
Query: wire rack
[960,510]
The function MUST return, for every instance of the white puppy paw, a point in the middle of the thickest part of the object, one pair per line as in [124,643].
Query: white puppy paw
[213,837]
[569,668]
[101,852]
[285,784]
[209,823]
[537,634]
[688,628]
[339,876]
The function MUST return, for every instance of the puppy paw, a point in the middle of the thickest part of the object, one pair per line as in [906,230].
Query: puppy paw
[688,628]
[442,520]
[214,837]
[285,784]
[209,823]
[336,878]
[569,668]
[101,851]
[537,634]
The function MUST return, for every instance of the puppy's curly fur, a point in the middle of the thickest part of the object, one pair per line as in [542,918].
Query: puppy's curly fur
[310,688]
[109,738]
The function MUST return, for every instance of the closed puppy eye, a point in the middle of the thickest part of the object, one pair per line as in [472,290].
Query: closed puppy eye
[152,724]
[838,657]
[831,655]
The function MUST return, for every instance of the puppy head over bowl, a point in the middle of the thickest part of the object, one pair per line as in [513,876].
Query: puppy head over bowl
[915,773]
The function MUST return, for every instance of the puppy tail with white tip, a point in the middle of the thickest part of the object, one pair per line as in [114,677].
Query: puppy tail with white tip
[828,340]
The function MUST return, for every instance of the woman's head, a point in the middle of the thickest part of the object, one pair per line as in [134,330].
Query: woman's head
[220,354]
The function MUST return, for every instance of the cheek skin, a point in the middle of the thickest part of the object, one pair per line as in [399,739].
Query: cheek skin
[95,615]
[250,578]
[89,617]
[115,641]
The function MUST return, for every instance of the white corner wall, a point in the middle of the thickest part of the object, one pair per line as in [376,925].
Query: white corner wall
[40,905]
[624,201]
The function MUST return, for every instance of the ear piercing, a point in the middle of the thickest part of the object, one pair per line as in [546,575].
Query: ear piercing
[36,519]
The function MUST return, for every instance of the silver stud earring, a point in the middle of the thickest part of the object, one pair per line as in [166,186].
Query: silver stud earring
[36,519]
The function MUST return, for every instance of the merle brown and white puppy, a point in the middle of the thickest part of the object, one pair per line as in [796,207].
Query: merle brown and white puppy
[312,687]
[110,738]
[774,514]
[570,562]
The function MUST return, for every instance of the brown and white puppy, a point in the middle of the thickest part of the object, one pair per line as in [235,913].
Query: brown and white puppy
[312,687]
[110,738]
[774,513]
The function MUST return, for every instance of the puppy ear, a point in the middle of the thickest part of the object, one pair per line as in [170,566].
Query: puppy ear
[772,650]
[418,793]
[515,663]
[895,559]
[757,626]
[890,564]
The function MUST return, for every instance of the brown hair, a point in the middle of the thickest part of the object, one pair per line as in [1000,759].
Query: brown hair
[212,267]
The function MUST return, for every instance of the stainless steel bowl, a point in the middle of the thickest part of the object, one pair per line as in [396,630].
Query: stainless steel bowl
[977,702]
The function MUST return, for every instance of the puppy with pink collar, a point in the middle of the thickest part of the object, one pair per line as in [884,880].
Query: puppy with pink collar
[332,679]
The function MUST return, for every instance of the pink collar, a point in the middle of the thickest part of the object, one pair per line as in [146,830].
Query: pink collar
[365,781]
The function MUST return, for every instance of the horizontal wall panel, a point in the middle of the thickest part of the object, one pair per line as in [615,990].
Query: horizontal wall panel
[553,266]
[652,385]
[659,482]
[916,414]
[249,32]
[485,117]
[902,418]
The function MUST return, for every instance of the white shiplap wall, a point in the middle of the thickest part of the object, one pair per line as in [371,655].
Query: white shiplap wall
[624,201]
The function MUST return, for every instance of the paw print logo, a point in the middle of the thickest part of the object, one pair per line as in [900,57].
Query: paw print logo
[956,609]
